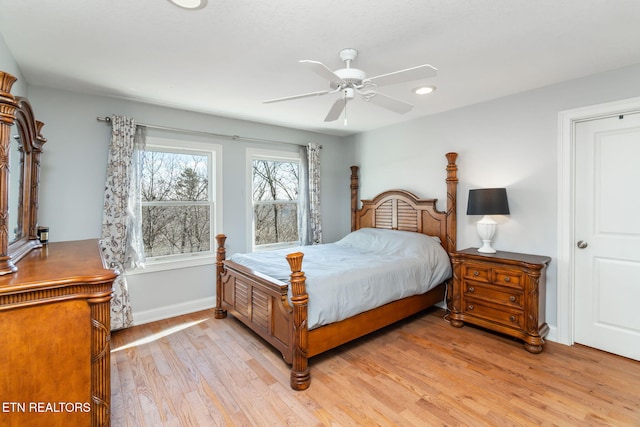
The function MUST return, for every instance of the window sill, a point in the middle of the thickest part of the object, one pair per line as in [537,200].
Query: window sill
[275,246]
[174,264]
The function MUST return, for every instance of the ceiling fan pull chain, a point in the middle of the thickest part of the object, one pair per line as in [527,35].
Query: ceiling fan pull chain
[345,111]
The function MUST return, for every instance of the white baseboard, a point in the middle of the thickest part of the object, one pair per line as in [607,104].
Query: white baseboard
[174,310]
[553,334]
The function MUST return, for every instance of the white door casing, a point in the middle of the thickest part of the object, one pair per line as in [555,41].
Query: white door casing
[607,262]
[568,120]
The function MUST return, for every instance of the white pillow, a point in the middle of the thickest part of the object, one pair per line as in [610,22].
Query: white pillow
[381,240]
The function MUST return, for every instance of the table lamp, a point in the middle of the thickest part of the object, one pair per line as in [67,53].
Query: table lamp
[487,202]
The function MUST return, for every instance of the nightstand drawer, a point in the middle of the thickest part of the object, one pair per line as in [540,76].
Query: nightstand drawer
[508,278]
[477,272]
[476,307]
[496,294]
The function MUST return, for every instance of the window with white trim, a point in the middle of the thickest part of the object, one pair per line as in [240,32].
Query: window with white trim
[178,196]
[274,199]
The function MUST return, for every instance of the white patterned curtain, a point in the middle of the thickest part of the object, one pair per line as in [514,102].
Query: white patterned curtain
[135,244]
[315,217]
[304,226]
[118,239]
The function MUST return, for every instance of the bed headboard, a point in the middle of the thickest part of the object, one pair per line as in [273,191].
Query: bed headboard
[402,210]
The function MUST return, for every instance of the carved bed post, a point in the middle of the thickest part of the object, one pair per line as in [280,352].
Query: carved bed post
[300,376]
[452,189]
[221,254]
[354,195]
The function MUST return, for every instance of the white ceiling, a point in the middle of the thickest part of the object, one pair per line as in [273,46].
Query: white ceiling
[227,58]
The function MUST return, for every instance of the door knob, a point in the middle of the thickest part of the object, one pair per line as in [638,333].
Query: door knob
[582,244]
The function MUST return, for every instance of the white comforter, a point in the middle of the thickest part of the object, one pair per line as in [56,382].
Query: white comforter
[366,269]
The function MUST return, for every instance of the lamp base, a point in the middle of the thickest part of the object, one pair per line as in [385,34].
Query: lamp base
[486,247]
[487,229]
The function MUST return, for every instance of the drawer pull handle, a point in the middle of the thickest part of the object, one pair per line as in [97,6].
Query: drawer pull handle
[512,298]
[512,318]
[470,307]
[507,279]
[472,289]
[476,273]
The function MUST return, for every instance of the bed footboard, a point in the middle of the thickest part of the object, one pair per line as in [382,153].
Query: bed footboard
[262,304]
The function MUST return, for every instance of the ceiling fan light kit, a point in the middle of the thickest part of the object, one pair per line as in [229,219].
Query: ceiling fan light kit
[350,80]
[190,4]
[424,90]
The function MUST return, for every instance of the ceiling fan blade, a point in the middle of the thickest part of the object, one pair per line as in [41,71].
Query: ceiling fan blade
[415,73]
[336,110]
[322,70]
[304,95]
[388,102]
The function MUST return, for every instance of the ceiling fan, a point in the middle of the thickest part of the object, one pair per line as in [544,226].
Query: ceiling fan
[349,81]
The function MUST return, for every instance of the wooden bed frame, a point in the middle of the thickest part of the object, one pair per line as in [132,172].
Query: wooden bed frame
[261,302]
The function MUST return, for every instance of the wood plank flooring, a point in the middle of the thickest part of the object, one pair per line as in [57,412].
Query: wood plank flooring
[194,370]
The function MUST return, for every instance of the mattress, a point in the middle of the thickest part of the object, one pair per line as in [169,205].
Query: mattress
[364,270]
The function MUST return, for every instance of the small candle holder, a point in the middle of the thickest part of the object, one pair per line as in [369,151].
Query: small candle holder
[43,234]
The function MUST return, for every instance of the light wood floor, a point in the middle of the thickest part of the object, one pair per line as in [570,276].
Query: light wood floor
[195,370]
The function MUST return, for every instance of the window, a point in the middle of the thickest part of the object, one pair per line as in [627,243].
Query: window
[274,199]
[178,198]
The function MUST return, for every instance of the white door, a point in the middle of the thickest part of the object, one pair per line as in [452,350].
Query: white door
[607,230]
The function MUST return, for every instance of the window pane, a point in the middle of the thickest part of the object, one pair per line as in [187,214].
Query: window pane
[275,200]
[276,223]
[176,204]
[169,230]
[275,180]
[168,176]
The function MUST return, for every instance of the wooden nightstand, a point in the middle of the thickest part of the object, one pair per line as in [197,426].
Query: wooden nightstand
[504,292]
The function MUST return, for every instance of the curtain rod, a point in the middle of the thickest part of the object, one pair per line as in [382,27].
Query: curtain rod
[202,133]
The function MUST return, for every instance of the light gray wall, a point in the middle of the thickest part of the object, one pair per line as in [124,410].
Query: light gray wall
[9,65]
[73,176]
[510,142]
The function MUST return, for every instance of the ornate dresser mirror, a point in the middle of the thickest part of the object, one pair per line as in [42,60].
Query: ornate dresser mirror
[20,149]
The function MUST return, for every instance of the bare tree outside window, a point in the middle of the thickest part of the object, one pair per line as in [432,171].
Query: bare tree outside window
[176,210]
[275,201]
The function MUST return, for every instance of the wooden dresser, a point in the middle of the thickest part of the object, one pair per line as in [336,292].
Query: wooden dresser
[54,338]
[504,292]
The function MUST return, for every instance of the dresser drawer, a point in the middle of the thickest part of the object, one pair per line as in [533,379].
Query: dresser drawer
[477,308]
[496,294]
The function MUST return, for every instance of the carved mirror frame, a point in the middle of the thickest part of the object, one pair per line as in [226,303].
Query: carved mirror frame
[17,110]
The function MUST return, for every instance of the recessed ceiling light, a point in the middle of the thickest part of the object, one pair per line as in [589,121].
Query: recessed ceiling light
[424,90]
[190,4]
